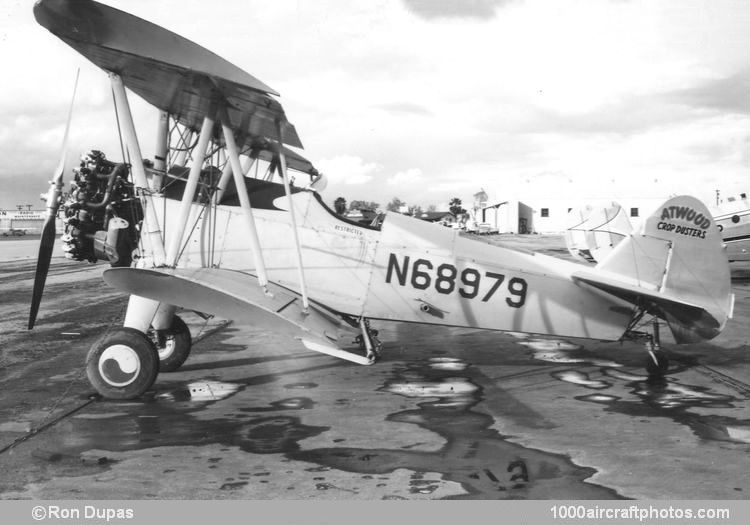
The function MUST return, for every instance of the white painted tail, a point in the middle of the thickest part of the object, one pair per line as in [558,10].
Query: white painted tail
[675,265]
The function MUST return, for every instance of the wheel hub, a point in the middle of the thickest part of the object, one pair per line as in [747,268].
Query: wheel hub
[167,347]
[119,365]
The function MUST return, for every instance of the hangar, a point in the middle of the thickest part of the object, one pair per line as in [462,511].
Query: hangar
[547,214]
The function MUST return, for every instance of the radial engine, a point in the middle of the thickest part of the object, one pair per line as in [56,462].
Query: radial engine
[102,214]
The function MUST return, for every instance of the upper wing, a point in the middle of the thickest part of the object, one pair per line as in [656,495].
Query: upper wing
[167,70]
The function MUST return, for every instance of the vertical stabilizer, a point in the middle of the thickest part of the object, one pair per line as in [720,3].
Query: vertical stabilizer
[677,254]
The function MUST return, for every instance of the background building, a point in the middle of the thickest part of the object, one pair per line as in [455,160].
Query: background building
[551,214]
[24,218]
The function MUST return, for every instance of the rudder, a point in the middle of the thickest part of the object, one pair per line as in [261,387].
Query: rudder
[678,253]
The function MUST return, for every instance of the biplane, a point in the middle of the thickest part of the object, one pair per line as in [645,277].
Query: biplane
[199,228]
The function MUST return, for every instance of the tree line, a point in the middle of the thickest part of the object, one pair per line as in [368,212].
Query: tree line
[396,204]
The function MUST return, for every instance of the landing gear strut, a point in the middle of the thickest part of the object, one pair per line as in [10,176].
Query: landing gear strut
[657,363]
[368,340]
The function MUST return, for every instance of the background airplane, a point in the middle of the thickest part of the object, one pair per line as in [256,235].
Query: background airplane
[733,219]
[593,232]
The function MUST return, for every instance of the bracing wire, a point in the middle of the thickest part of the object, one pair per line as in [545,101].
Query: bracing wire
[214,209]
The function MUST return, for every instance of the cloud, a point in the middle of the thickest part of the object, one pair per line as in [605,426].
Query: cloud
[407,177]
[726,94]
[348,169]
[628,115]
[433,9]
[633,114]
[622,115]
[388,91]
[400,108]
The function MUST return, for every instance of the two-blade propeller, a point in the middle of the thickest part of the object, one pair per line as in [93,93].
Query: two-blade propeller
[47,241]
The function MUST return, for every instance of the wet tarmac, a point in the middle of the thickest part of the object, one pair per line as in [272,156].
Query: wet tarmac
[445,414]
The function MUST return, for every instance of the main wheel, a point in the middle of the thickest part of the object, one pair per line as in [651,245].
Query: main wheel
[173,344]
[123,364]
[659,367]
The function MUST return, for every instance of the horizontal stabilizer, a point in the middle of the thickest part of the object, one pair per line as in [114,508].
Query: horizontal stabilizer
[676,312]
[674,266]
[237,296]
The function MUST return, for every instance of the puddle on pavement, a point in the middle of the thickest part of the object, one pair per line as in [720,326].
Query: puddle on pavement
[16,426]
[292,403]
[550,345]
[451,391]
[419,485]
[159,428]
[598,398]
[274,435]
[448,387]
[103,415]
[580,378]
[624,376]
[671,394]
[301,386]
[668,398]
[475,455]
[200,391]
[448,403]
[563,352]
[739,434]
[331,486]
[152,424]
[72,465]
[447,363]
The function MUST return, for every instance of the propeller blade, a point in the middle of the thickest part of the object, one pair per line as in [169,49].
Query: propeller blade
[42,266]
[47,242]
[64,155]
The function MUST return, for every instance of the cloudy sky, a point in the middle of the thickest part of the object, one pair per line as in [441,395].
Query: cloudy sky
[430,99]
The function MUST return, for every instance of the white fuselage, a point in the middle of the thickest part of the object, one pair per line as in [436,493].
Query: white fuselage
[409,270]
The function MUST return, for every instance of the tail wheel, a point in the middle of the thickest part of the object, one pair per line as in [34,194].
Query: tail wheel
[173,345]
[123,364]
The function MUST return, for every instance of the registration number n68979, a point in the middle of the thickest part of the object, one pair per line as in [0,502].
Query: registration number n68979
[446,279]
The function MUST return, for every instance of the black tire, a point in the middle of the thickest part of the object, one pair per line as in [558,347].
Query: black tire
[659,368]
[123,364]
[173,345]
